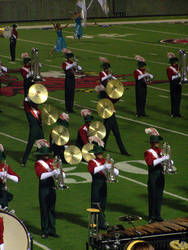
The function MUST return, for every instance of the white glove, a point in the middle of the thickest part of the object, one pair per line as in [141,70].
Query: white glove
[108,165]
[151,76]
[29,74]
[3,174]
[64,175]
[79,67]
[109,75]
[74,64]
[116,171]
[12,178]
[172,162]
[157,161]
[40,65]
[56,172]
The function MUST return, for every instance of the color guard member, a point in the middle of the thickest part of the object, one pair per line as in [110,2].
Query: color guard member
[156,181]
[83,132]
[142,78]
[175,85]
[5,173]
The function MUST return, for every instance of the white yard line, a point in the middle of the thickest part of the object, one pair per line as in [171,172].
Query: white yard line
[36,243]
[166,90]
[164,96]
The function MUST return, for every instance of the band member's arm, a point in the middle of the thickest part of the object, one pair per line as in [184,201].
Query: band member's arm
[94,169]
[104,77]
[83,135]
[67,66]
[139,76]
[172,75]
[152,161]
[42,173]
[11,175]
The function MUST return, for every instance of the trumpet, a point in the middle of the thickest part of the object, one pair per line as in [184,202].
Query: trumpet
[110,174]
[35,65]
[183,66]
[77,68]
[59,180]
[168,166]
[148,79]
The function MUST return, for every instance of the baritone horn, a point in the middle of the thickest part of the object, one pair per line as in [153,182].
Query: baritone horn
[59,180]
[168,166]
[183,66]
[35,65]
[111,177]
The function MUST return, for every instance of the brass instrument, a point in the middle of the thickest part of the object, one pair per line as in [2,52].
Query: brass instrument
[38,93]
[4,179]
[59,180]
[76,68]
[35,65]
[183,66]
[105,108]
[111,177]
[148,79]
[114,89]
[168,166]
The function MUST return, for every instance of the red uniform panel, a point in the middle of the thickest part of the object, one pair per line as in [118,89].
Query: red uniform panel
[149,157]
[170,72]
[92,165]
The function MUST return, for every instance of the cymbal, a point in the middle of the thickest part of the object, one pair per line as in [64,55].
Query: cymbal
[60,135]
[38,93]
[105,108]
[129,218]
[96,128]
[73,155]
[85,152]
[114,89]
[49,114]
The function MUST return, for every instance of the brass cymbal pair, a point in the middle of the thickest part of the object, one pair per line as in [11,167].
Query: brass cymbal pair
[38,93]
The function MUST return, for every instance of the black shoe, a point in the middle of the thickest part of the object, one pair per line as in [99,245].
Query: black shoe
[44,236]
[159,219]
[72,111]
[151,221]
[126,153]
[54,235]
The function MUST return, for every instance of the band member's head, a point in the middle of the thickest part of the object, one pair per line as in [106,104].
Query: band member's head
[63,120]
[43,149]
[14,26]
[172,58]
[68,53]
[106,66]
[140,61]
[155,140]
[139,245]
[97,150]
[26,58]
[2,153]
[87,116]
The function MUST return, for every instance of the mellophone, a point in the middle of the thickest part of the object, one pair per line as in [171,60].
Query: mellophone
[15,235]
[159,234]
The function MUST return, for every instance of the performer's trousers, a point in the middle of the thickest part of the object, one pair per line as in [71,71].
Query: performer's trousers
[141,93]
[47,200]
[69,93]
[155,194]
[175,97]
[98,198]
[5,197]
[12,50]
[111,124]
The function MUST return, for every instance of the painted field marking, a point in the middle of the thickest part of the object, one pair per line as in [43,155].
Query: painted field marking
[166,90]
[13,137]
[163,96]
[41,245]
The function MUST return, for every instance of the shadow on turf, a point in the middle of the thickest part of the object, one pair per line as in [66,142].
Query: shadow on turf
[16,155]
[32,228]
[125,209]
[73,218]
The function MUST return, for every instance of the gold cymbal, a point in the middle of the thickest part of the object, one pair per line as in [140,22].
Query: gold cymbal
[105,108]
[85,152]
[73,155]
[49,114]
[60,135]
[114,89]
[96,128]
[38,93]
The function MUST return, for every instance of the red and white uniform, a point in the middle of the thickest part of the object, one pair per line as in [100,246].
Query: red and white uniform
[3,168]
[138,73]
[172,72]
[152,154]
[44,166]
[84,133]
[92,164]
[25,72]
[1,231]
[103,76]
[35,112]
[68,66]
[14,34]
[2,69]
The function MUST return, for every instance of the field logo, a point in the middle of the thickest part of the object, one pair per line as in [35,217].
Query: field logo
[179,41]
[134,166]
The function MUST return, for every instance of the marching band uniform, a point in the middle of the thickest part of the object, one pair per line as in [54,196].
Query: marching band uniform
[175,87]
[111,122]
[141,88]
[98,169]
[5,173]
[83,132]
[47,194]
[26,74]
[13,39]
[2,70]
[154,159]
[1,234]
[69,68]
[57,150]
[35,127]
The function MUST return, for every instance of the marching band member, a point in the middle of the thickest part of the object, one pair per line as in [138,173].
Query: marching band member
[154,160]
[33,114]
[60,41]
[69,66]
[175,85]
[13,40]
[2,70]
[141,77]
[26,73]
[111,122]
[98,169]
[83,132]
[63,120]
[46,173]
[78,25]
[5,173]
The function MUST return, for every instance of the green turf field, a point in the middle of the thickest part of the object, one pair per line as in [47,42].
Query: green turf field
[120,44]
